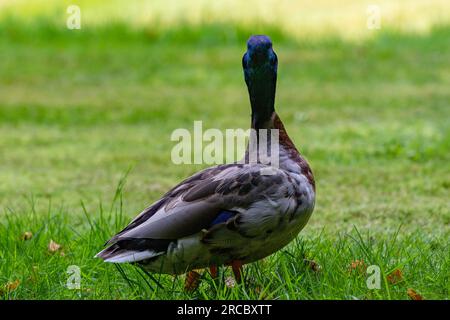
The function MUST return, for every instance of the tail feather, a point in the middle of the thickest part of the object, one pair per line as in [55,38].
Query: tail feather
[122,256]
[133,250]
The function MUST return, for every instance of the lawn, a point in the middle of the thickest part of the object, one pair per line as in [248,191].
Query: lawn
[85,124]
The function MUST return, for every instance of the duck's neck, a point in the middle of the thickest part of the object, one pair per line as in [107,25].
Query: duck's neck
[289,158]
[261,84]
[261,87]
[262,100]
[273,123]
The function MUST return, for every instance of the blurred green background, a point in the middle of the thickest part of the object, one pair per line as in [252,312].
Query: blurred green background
[368,108]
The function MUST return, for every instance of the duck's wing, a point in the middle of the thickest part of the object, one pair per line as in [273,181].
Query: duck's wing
[192,206]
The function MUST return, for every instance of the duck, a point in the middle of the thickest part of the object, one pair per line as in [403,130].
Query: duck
[229,214]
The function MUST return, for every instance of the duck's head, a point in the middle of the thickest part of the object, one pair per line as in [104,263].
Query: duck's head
[260,71]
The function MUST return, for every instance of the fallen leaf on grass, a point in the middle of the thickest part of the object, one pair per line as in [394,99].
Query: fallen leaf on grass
[27,235]
[53,246]
[395,276]
[192,281]
[313,265]
[9,287]
[358,265]
[413,295]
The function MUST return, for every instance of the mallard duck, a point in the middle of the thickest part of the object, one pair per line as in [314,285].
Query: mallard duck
[230,214]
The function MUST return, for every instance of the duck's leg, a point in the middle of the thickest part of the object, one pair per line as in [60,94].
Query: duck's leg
[236,266]
[213,271]
[192,281]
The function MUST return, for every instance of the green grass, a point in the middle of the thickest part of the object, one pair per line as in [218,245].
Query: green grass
[285,275]
[78,109]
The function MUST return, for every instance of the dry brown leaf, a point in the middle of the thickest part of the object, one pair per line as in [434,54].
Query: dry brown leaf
[413,295]
[53,246]
[313,265]
[9,287]
[192,281]
[358,265]
[395,276]
[27,235]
